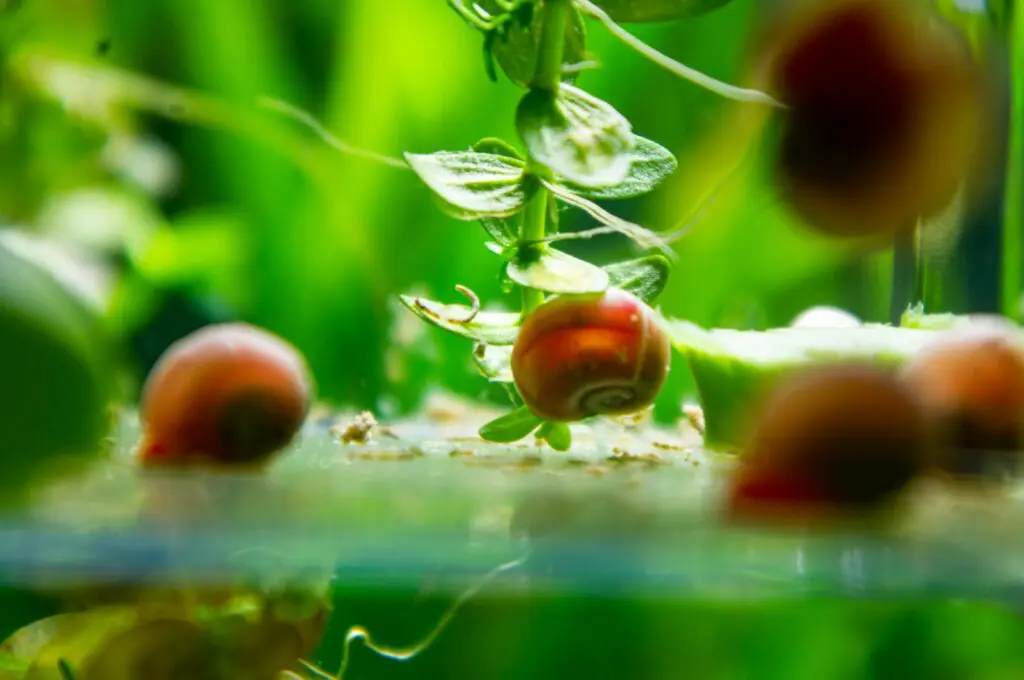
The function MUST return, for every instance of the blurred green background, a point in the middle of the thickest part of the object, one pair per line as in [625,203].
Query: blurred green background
[216,207]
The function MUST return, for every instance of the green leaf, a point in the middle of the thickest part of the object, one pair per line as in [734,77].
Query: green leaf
[517,49]
[652,163]
[557,435]
[497,147]
[499,229]
[579,137]
[494,361]
[496,328]
[649,11]
[644,277]
[472,184]
[511,427]
[553,271]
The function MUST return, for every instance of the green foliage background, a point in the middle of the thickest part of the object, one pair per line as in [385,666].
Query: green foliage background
[315,244]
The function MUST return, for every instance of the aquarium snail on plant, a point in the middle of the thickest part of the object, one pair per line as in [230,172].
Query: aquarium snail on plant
[227,394]
[581,356]
[575,149]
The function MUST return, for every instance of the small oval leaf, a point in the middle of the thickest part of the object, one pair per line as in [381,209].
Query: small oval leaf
[494,361]
[553,271]
[649,11]
[652,163]
[511,427]
[472,184]
[516,50]
[496,328]
[557,435]
[499,229]
[576,135]
[644,277]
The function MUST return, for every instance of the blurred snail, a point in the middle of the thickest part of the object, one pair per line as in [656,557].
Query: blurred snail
[844,435]
[885,114]
[972,384]
[225,394]
[585,355]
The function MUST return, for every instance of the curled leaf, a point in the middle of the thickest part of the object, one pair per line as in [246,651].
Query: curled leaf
[473,184]
[644,277]
[576,135]
[652,163]
[553,271]
[498,328]
[494,362]
[511,427]
[649,11]
[498,147]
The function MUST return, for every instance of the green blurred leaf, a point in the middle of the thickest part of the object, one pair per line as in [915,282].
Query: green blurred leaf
[496,328]
[516,49]
[652,164]
[644,277]
[579,137]
[494,361]
[511,427]
[473,184]
[553,271]
[557,435]
[638,11]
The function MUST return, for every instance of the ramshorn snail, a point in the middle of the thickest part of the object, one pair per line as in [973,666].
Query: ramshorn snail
[585,355]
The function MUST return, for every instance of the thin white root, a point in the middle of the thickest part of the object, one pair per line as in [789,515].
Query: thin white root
[315,126]
[683,71]
[407,653]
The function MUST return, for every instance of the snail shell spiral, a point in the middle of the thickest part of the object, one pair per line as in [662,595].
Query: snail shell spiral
[585,355]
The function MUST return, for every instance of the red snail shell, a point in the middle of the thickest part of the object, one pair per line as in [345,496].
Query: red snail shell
[885,115]
[972,385]
[228,393]
[585,355]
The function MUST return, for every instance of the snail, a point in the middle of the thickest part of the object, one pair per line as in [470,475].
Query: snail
[847,436]
[885,114]
[579,356]
[972,384]
[226,394]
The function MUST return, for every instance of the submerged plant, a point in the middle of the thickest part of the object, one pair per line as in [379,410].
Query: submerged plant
[575,149]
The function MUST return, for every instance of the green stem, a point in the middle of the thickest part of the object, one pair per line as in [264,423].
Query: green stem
[552,45]
[1013,208]
[549,77]
[532,229]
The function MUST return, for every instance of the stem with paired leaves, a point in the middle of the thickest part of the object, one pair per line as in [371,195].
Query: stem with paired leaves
[548,76]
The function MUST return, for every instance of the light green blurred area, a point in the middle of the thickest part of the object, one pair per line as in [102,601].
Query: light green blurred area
[316,245]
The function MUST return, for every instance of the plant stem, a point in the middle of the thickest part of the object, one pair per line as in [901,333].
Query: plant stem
[532,229]
[906,274]
[552,45]
[549,77]
[1013,207]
